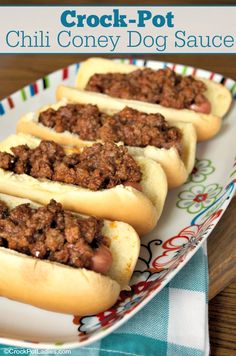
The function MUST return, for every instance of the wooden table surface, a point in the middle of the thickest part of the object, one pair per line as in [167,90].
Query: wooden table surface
[17,71]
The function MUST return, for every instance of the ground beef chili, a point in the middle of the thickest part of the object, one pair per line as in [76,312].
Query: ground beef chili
[162,86]
[132,127]
[51,233]
[96,167]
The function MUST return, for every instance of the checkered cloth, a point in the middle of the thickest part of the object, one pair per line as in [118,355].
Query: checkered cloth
[174,323]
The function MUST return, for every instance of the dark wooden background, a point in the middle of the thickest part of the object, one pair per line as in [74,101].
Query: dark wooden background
[19,70]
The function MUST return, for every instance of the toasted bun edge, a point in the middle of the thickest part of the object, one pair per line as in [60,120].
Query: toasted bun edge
[119,203]
[218,95]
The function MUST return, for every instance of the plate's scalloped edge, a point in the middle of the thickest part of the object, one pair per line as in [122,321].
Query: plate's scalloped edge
[9,103]
[42,84]
[98,336]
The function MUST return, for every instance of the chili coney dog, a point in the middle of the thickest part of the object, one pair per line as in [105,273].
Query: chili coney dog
[101,180]
[79,123]
[200,101]
[53,259]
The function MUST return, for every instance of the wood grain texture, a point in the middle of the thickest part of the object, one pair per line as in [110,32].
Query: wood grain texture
[17,71]
[222,322]
[222,252]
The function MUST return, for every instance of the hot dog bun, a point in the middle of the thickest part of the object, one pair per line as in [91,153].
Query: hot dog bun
[57,287]
[176,168]
[123,203]
[206,125]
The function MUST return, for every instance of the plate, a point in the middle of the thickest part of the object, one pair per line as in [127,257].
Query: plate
[190,214]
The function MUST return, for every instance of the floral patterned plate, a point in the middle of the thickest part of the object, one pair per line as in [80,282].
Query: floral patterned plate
[190,214]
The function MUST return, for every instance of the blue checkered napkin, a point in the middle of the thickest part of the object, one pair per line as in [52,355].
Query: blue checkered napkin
[174,323]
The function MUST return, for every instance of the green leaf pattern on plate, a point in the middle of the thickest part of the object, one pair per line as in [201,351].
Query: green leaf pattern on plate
[202,169]
[198,197]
